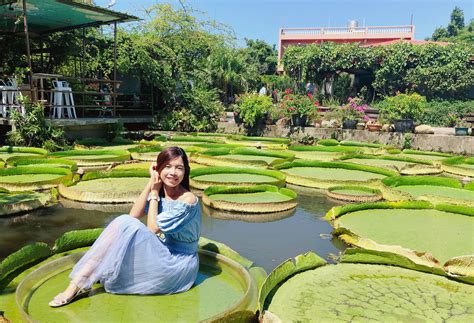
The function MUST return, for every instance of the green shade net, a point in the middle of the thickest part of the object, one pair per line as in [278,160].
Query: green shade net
[45,16]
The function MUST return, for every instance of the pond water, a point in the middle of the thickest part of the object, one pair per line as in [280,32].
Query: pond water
[267,244]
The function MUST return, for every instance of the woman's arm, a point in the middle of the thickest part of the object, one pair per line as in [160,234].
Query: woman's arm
[152,212]
[138,208]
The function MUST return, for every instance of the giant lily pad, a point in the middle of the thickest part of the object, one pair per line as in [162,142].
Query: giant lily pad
[117,186]
[462,166]
[361,292]
[93,157]
[354,193]
[16,202]
[250,199]
[318,174]
[7,152]
[43,162]
[437,189]
[424,233]
[396,162]
[202,178]
[33,178]
[225,282]
[242,157]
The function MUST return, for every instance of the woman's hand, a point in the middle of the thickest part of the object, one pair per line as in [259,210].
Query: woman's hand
[155,180]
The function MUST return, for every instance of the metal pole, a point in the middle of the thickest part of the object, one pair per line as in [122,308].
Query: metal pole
[28,52]
[115,69]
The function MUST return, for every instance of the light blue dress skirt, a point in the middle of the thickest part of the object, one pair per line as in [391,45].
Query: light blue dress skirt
[128,258]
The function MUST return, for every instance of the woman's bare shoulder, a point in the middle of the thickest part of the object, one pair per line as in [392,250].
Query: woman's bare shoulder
[188,198]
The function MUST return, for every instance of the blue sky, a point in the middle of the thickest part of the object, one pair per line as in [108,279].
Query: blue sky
[261,19]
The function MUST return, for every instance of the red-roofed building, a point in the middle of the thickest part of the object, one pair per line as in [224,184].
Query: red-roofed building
[366,36]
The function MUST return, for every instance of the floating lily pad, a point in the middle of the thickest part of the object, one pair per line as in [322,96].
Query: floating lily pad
[33,178]
[105,190]
[432,188]
[360,292]
[250,199]
[325,174]
[16,202]
[44,162]
[93,157]
[415,226]
[7,152]
[223,288]
[354,193]
[247,217]
[462,166]
[202,178]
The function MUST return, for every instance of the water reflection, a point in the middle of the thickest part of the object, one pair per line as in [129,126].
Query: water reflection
[266,243]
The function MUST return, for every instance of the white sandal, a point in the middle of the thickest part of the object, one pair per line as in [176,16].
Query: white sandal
[59,300]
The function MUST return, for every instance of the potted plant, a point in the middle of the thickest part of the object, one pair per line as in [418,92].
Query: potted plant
[351,113]
[253,110]
[461,128]
[403,110]
[298,107]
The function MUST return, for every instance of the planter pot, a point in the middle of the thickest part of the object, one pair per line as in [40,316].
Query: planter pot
[349,124]
[374,127]
[404,125]
[298,121]
[360,126]
[461,131]
[237,118]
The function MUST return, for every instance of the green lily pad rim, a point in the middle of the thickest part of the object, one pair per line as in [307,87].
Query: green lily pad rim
[425,153]
[31,150]
[34,170]
[395,158]
[229,170]
[361,144]
[119,155]
[217,146]
[328,142]
[421,180]
[197,139]
[334,149]
[285,270]
[116,173]
[146,149]
[260,152]
[458,160]
[366,189]
[23,161]
[211,190]
[469,186]
[338,211]
[264,139]
[348,166]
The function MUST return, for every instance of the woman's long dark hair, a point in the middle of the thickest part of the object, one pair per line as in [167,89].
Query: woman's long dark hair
[171,153]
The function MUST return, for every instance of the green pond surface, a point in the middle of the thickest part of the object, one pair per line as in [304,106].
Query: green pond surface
[236,178]
[455,193]
[89,157]
[371,293]
[445,235]
[353,192]
[215,291]
[266,159]
[260,197]
[337,174]
[379,162]
[28,178]
[267,244]
[123,184]
[316,155]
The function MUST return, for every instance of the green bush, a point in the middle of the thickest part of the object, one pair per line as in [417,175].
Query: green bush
[253,107]
[445,113]
[403,106]
[31,129]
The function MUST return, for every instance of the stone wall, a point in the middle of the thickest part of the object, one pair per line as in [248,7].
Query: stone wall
[433,142]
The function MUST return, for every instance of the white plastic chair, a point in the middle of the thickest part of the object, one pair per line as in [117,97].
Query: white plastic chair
[10,98]
[62,100]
